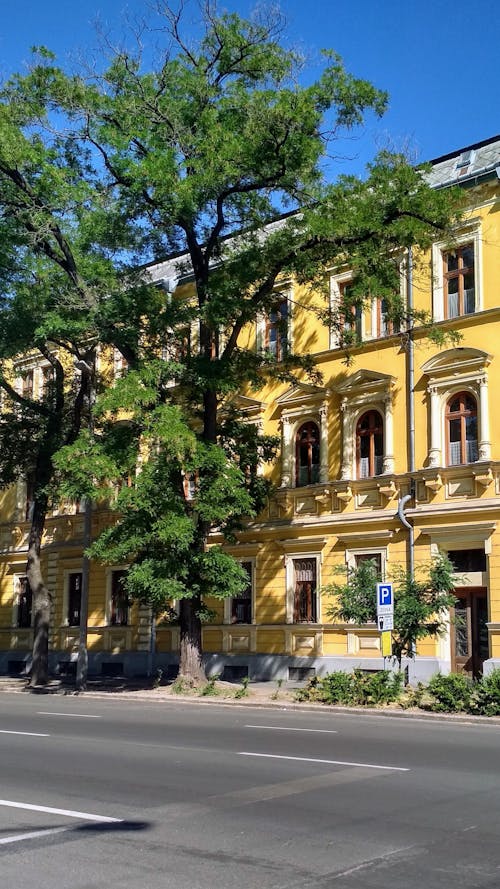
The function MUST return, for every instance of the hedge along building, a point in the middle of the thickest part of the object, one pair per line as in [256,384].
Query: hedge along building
[407,426]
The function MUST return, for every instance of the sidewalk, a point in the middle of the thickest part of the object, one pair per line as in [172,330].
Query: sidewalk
[265,695]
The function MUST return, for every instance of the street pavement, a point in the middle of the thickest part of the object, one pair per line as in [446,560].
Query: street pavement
[120,792]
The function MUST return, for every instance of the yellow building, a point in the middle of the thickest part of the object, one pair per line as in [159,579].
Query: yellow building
[395,457]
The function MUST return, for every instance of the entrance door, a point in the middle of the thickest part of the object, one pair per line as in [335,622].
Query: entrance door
[469,631]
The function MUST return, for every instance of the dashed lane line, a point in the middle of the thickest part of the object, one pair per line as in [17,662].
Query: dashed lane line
[74,715]
[286,728]
[332,762]
[28,734]
[19,837]
[67,813]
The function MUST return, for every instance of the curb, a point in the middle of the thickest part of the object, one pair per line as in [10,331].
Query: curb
[155,696]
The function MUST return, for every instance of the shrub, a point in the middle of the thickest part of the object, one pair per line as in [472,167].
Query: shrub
[356,688]
[382,687]
[448,694]
[485,697]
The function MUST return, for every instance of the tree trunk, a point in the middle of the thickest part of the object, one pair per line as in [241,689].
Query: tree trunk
[42,599]
[190,662]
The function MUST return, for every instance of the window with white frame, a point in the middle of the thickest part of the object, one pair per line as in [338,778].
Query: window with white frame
[23,602]
[73,598]
[274,328]
[458,403]
[307,454]
[304,435]
[370,445]
[377,555]
[305,600]
[241,606]
[240,609]
[303,580]
[367,425]
[457,274]
[118,608]
[348,315]
[461,429]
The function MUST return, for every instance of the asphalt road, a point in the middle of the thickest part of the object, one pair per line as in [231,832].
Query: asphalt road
[100,793]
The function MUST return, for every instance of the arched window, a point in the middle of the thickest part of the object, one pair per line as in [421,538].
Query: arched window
[461,429]
[370,445]
[307,455]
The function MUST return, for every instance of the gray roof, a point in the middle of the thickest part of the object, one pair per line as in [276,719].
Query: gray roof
[466,164]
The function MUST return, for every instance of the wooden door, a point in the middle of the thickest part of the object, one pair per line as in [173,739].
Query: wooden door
[470,631]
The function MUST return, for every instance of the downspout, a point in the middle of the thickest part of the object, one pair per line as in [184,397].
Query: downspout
[410,382]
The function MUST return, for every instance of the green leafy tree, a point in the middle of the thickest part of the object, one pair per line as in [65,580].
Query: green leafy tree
[421,604]
[62,276]
[200,154]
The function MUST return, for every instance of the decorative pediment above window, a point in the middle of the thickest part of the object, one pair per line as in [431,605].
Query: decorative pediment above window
[366,394]
[248,407]
[304,455]
[365,385]
[299,398]
[463,362]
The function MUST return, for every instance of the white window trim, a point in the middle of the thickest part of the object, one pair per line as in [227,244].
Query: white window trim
[335,284]
[109,590]
[299,405]
[451,372]
[228,601]
[66,575]
[471,232]
[282,294]
[382,551]
[290,558]
[16,587]
[376,394]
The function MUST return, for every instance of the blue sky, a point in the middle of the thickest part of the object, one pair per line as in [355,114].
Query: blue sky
[438,60]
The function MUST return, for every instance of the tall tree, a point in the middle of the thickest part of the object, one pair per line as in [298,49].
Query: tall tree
[203,152]
[58,266]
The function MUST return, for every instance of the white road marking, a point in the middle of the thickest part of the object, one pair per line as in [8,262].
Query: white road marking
[17,838]
[285,728]
[332,762]
[68,813]
[30,734]
[77,715]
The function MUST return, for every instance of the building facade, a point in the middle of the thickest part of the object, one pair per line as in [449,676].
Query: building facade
[406,434]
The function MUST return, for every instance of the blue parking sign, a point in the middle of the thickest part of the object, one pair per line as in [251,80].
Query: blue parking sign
[385,598]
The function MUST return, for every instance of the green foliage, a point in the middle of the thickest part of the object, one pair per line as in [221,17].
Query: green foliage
[196,156]
[421,605]
[358,688]
[210,689]
[243,692]
[448,694]
[485,696]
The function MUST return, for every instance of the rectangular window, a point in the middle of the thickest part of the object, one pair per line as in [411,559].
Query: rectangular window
[385,326]
[48,377]
[352,313]
[74,599]
[376,558]
[467,560]
[276,332]
[24,603]
[305,600]
[119,605]
[241,606]
[120,364]
[459,281]
[30,499]
[27,385]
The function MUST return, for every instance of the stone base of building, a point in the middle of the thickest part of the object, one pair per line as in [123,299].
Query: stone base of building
[257,667]
[491,664]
